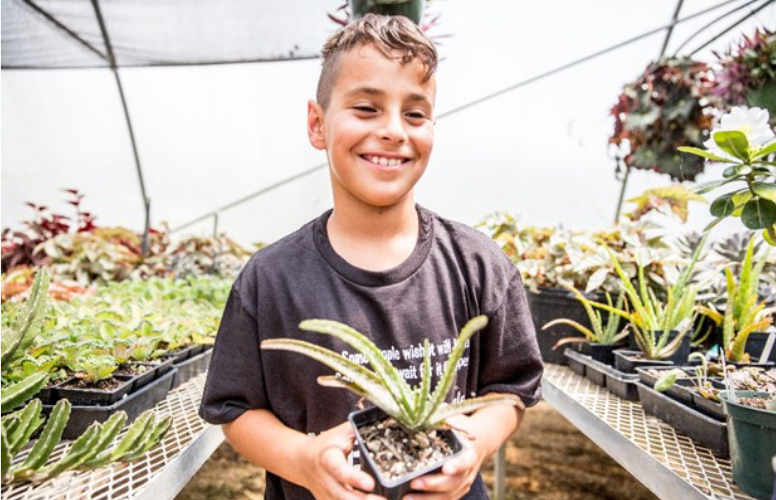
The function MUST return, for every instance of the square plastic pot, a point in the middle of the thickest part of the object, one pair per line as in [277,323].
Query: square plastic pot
[600,352]
[192,367]
[397,488]
[94,397]
[625,362]
[81,417]
[575,364]
[752,444]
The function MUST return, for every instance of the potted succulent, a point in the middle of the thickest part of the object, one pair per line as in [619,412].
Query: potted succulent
[659,328]
[752,437]
[599,341]
[415,416]
[744,318]
[741,142]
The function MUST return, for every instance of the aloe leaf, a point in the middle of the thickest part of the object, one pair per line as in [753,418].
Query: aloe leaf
[564,321]
[396,385]
[446,382]
[133,436]
[47,441]
[153,435]
[80,449]
[357,373]
[425,382]
[16,394]
[470,405]
[110,429]
[6,457]
[595,320]
[29,421]
[667,380]
[340,383]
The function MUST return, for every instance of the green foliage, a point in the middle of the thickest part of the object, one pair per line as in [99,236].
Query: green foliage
[28,323]
[91,449]
[18,393]
[652,319]
[414,408]
[600,334]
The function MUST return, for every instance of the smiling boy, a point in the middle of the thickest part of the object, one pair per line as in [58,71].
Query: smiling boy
[393,270]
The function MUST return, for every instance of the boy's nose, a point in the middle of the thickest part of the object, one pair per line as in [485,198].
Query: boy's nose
[393,128]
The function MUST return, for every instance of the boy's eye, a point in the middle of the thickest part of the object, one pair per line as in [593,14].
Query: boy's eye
[366,109]
[417,115]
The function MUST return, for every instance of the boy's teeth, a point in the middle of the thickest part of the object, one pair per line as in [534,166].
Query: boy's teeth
[381,160]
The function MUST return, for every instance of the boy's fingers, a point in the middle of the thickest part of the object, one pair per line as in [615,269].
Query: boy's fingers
[438,482]
[334,461]
[461,463]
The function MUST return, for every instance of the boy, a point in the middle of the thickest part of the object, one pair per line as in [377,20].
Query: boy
[392,270]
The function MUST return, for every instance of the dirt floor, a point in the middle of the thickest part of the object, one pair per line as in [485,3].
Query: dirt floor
[548,459]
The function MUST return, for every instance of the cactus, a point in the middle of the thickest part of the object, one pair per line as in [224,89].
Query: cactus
[51,435]
[18,393]
[415,409]
[29,322]
[90,450]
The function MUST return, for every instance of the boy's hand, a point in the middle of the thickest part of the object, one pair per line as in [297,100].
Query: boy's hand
[329,475]
[457,475]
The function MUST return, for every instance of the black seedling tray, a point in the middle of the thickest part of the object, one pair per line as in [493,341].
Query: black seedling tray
[708,406]
[681,390]
[699,427]
[191,367]
[397,488]
[574,363]
[622,384]
[81,417]
[623,362]
[94,396]
[156,369]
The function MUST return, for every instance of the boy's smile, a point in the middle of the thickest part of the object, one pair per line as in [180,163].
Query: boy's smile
[378,130]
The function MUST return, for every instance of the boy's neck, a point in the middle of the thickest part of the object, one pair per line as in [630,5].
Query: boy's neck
[374,238]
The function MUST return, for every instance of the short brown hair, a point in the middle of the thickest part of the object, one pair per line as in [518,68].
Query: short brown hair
[387,34]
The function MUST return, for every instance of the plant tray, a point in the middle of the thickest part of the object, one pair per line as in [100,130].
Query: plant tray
[96,397]
[623,361]
[708,407]
[191,367]
[699,427]
[575,364]
[157,368]
[396,489]
[622,384]
[81,417]
[593,370]
[681,390]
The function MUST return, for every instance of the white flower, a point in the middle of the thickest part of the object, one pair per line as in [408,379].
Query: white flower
[753,122]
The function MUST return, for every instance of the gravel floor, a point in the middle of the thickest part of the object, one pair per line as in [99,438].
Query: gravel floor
[548,459]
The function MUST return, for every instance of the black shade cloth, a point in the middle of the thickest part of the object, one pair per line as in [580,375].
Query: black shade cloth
[162,32]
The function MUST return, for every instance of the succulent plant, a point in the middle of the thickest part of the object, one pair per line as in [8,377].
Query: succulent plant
[600,334]
[414,408]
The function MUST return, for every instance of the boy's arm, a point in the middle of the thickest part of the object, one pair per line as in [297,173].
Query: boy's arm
[317,463]
[488,428]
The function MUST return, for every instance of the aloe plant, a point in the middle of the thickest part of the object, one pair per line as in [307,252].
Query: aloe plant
[600,334]
[743,313]
[414,408]
[91,449]
[28,324]
[700,380]
[653,320]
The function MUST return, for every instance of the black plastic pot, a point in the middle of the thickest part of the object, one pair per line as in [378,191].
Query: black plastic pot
[685,347]
[78,396]
[624,361]
[682,390]
[412,9]
[550,304]
[699,427]
[622,384]
[708,407]
[396,489]
[755,345]
[191,368]
[600,352]
[575,364]
[182,354]
[81,417]
[155,369]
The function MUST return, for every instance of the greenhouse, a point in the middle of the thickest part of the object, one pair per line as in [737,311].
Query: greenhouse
[216,216]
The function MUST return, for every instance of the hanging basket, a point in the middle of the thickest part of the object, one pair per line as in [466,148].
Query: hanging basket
[412,9]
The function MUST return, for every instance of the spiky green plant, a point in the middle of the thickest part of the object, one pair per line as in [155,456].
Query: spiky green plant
[91,449]
[653,320]
[600,334]
[415,408]
[29,322]
[743,313]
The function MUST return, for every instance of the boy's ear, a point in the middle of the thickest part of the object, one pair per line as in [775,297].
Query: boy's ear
[315,125]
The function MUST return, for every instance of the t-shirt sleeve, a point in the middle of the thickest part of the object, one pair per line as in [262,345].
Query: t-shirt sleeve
[510,361]
[235,380]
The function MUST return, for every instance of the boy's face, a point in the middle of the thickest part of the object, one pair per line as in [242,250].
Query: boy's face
[378,131]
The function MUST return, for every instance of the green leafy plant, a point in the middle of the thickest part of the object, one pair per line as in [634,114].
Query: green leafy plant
[652,319]
[742,142]
[700,380]
[94,368]
[414,408]
[91,449]
[600,334]
[743,313]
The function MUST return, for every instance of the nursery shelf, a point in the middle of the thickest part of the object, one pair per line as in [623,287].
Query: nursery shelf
[667,462]
[159,475]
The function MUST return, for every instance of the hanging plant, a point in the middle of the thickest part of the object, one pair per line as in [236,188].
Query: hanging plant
[747,73]
[666,107]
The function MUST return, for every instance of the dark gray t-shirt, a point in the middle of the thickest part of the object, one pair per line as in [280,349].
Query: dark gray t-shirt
[453,274]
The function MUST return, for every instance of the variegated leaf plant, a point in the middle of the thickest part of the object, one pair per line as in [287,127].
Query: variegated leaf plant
[414,408]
